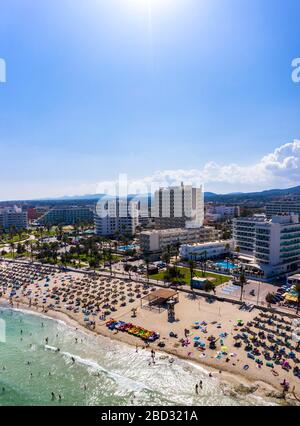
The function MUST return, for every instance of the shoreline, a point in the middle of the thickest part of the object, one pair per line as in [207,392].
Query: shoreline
[234,384]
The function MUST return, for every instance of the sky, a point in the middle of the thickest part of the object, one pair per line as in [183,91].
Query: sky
[163,90]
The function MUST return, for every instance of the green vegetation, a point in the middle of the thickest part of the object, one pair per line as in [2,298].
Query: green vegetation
[183,275]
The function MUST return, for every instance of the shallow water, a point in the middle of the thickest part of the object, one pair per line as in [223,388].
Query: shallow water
[105,372]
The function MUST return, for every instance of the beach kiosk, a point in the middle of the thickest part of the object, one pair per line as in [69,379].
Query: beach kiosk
[198,283]
[158,299]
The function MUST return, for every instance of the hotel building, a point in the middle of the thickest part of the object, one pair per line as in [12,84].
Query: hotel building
[283,206]
[13,218]
[271,246]
[116,216]
[209,250]
[67,216]
[156,241]
[178,207]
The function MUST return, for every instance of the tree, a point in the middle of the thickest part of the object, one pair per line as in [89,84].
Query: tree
[177,247]
[110,259]
[209,287]
[242,281]
[128,268]
[94,263]
[192,266]
[269,298]
[12,247]
[147,262]
[166,258]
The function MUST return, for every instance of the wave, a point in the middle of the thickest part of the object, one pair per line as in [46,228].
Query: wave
[129,383]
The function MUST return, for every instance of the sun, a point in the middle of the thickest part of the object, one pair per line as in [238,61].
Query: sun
[149,4]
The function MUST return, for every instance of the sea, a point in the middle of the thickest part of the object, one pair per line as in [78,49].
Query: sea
[42,359]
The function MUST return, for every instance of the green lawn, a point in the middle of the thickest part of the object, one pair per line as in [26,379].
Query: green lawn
[220,279]
[16,255]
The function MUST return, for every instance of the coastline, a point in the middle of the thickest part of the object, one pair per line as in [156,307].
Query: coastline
[232,383]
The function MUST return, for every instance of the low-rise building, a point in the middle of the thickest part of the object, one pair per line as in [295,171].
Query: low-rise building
[156,241]
[67,216]
[215,213]
[209,250]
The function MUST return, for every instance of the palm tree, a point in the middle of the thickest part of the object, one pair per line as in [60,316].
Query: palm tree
[177,247]
[147,262]
[192,266]
[110,259]
[12,247]
[166,258]
[243,281]
[269,299]
[64,241]
[128,268]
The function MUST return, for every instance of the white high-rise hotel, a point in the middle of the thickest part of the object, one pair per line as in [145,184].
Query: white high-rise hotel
[178,207]
[270,245]
[116,215]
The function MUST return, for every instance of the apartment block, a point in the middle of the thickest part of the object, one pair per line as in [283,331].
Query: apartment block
[271,245]
[13,218]
[178,207]
[283,206]
[116,216]
[67,216]
[156,241]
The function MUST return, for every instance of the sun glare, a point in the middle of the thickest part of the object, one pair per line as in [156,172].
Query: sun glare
[150,4]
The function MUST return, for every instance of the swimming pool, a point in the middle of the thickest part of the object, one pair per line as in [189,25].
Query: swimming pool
[224,265]
[128,247]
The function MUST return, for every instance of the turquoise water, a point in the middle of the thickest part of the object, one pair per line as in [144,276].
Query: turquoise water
[104,372]
[129,247]
[223,264]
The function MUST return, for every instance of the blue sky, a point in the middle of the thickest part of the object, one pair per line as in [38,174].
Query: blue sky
[148,88]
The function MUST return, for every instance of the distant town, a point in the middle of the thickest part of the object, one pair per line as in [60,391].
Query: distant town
[259,234]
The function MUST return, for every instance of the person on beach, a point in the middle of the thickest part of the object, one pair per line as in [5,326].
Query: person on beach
[196,389]
[201,384]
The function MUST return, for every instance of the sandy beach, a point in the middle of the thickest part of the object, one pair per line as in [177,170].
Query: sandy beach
[55,295]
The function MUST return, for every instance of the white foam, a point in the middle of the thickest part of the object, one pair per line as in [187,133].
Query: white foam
[125,381]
